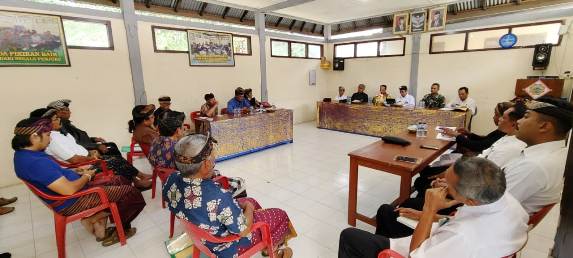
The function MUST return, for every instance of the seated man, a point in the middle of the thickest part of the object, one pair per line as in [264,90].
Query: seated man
[33,166]
[464,101]
[405,99]
[380,99]
[252,100]
[469,143]
[490,224]
[536,177]
[341,97]
[238,102]
[434,99]
[82,137]
[360,96]
[193,196]
[163,109]
[211,106]
[64,148]
[162,148]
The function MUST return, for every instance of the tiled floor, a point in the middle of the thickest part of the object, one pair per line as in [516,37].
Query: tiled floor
[308,179]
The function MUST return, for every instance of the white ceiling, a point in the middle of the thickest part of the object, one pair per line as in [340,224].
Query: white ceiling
[333,11]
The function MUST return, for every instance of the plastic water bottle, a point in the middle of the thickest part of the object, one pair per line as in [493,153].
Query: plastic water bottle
[419,130]
[424,129]
[422,104]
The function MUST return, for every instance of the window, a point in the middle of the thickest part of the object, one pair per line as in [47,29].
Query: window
[170,40]
[293,49]
[392,48]
[344,51]
[173,40]
[314,51]
[367,49]
[87,33]
[528,35]
[379,48]
[279,48]
[241,45]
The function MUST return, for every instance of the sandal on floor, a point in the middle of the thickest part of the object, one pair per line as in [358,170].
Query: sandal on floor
[6,210]
[285,253]
[108,233]
[114,239]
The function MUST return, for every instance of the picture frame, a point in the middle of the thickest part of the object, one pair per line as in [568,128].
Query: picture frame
[32,39]
[210,48]
[437,18]
[418,21]
[400,23]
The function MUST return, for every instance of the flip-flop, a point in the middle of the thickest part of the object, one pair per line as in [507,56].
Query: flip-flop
[108,233]
[114,239]
[6,210]
[285,253]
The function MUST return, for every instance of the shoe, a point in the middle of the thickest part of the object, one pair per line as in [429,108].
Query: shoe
[6,210]
[114,239]
[4,201]
[5,255]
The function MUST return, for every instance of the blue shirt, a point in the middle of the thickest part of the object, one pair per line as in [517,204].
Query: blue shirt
[208,206]
[234,103]
[38,169]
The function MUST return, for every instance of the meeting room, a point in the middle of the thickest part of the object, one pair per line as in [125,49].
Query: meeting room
[286,128]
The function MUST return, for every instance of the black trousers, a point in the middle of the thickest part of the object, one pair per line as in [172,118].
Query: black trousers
[112,149]
[357,243]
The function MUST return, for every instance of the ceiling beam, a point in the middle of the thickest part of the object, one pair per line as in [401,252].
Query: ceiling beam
[278,21]
[291,24]
[517,1]
[302,26]
[283,5]
[354,24]
[203,6]
[243,15]
[313,28]
[484,5]
[225,12]
[147,3]
[176,8]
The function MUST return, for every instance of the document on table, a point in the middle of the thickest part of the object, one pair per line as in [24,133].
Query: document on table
[441,136]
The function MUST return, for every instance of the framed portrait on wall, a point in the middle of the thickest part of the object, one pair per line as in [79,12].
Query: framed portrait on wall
[400,24]
[30,39]
[209,48]
[437,18]
[418,21]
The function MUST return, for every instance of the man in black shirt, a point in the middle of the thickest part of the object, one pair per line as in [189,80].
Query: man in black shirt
[82,137]
[360,95]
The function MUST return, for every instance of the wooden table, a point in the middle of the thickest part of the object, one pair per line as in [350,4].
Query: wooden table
[237,136]
[381,156]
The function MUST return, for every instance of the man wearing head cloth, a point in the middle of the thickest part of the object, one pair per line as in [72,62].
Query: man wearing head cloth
[536,177]
[82,137]
[163,109]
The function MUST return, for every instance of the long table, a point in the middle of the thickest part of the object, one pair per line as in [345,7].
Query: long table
[237,136]
[379,120]
[381,156]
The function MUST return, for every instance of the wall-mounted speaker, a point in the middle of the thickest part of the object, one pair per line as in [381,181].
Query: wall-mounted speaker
[338,64]
[541,56]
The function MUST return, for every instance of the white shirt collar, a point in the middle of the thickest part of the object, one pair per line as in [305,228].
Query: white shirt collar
[541,148]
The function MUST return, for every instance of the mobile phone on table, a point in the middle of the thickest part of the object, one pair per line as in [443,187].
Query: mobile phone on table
[407,159]
[429,147]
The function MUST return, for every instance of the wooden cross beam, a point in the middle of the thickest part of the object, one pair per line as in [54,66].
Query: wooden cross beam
[203,6]
[302,26]
[225,12]
[278,21]
[243,15]
[291,24]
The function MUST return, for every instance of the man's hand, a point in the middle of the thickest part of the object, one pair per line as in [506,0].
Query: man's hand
[439,182]
[94,154]
[435,199]
[102,148]
[409,213]
[81,169]
[462,130]
[450,132]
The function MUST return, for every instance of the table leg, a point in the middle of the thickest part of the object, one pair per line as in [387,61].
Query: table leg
[352,192]
[405,189]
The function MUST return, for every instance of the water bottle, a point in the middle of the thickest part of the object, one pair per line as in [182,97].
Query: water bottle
[424,129]
[419,130]
[422,104]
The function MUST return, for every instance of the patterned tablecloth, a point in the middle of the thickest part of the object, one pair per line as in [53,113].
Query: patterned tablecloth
[237,136]
[379,120]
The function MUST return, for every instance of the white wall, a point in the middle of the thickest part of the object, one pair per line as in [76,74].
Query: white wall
[98,83]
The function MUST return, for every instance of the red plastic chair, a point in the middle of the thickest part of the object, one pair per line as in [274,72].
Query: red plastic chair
[224,111]
[61,221]
[163,174]
[194,114]
[132,152]
[223,181]
[535,218]
[196,234]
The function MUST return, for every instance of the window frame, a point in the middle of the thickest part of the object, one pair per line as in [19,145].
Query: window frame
[107,23]
[508,27]
[153,27]
[298,42]
[378,42]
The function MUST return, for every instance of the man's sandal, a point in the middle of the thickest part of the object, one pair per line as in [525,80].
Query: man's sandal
[114,238]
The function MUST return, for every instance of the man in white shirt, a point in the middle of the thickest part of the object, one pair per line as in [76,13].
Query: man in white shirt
[464,100]
[536,177]
[405,99]
[490,224]
[341,97]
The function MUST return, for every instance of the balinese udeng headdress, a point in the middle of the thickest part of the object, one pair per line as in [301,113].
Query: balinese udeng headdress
[201,156]
[41,126]
[551,110]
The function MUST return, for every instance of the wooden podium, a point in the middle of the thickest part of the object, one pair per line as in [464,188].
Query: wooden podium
[556,86]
